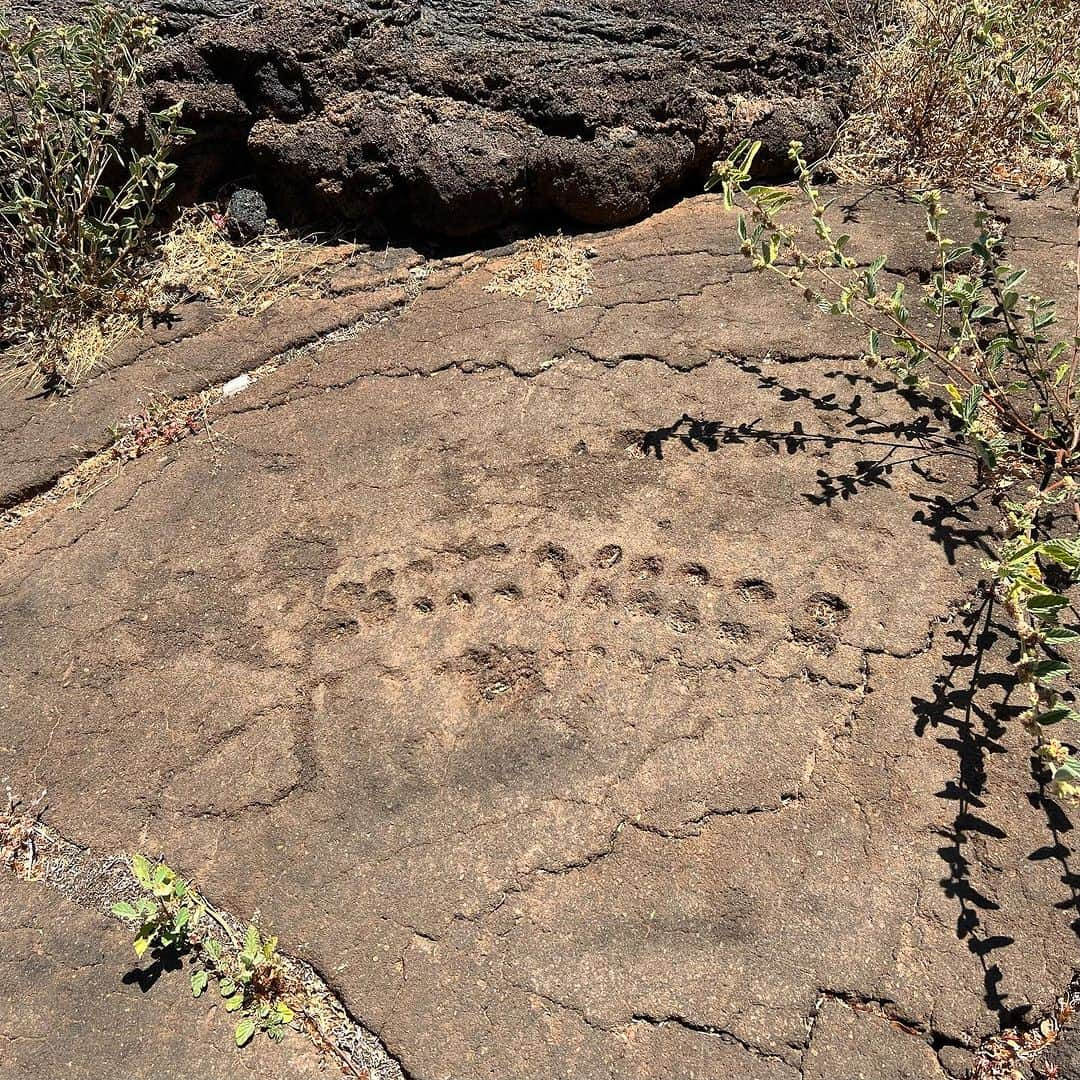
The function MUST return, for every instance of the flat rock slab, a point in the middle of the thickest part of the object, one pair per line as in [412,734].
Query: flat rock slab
[593,693]
[67,1012]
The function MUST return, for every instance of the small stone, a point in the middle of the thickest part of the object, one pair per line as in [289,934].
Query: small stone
[234,386]
[246,215]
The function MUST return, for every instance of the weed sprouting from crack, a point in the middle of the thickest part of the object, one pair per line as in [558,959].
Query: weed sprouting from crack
[161,423]
[268,989]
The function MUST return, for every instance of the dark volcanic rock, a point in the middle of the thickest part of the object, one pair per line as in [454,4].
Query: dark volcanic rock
[458,115]
[246,214]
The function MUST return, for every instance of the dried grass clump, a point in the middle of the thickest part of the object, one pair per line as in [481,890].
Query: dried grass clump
[947,90]
[551,269]
[74,348]
[195,258]
[199,259]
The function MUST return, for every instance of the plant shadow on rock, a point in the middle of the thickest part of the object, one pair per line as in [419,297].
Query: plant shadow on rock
[164,960]
[912,443]
[971,700]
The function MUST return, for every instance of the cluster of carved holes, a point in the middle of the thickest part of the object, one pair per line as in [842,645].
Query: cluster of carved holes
[552,567]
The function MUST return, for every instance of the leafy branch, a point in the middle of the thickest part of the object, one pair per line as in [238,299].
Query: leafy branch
[982,346]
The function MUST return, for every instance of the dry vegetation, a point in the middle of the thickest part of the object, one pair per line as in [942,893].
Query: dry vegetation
[549,269]
[946,89]
[198,259]
[82,258]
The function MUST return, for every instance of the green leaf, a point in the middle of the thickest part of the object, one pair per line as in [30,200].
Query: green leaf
[123,910]
[1046,604]
[1055,716]
[244,1030]
[142,943]
[227,987]
[140,867]
[199,979]
[1059,635]
[1050,669]
[1068,771]
[213,947]
[234,1003]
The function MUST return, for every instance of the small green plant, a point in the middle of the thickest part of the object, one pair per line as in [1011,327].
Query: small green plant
[174,917]
[167,915]
[79,190]
[985,349]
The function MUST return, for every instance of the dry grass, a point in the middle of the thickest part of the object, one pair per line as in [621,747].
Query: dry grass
[74,350]
[936,103]
[198,259]
[195,259]
[548,269]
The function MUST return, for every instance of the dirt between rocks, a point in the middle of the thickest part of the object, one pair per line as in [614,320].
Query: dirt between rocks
[596,693]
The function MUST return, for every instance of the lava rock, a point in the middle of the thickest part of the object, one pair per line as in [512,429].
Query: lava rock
[246,215]
[456,116]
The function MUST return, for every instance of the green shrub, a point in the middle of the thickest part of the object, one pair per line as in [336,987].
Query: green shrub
[78,196]
[173,917]
[994,355]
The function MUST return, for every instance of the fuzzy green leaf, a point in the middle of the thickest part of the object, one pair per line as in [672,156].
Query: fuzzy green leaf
[1051,669]
[244,1030]
[1047,604]
[1056,716]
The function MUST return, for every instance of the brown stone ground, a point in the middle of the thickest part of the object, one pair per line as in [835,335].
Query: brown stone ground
[603,693]
[71,1006]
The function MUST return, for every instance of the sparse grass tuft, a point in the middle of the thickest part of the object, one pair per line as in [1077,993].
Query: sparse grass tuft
[549,269]
[199,259]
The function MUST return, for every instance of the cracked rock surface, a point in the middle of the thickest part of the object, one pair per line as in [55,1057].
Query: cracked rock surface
[68,1013]
[585,694]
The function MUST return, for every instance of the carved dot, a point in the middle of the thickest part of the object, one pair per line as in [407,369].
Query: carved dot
[736,632]
[820,642]
[460,598]
[695,573]
[827,609]
[424,606]
[683,618]
[607,556]
[649,566]
[597,596]
[643,602]
[508,592]
[755,590]
[377,606]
